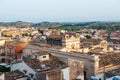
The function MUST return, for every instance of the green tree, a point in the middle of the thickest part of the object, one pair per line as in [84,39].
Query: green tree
[88,36]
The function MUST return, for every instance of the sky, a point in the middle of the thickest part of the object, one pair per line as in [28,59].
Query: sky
[59,10]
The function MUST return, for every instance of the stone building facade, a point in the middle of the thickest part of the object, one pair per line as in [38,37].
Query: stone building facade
[76,69]
[71,41]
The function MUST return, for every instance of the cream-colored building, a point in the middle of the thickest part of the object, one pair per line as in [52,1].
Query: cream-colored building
[10,33]
[103,44]
[71,41]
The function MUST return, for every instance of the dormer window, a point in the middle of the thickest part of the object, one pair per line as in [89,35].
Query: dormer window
[44,56]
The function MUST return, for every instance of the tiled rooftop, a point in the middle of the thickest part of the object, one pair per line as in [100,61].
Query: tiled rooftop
[55,37]
[92,41]
[110,58]
[51,64]
[13,75]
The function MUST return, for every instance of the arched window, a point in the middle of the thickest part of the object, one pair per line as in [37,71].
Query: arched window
[3,60]
[73,46]
[67,36]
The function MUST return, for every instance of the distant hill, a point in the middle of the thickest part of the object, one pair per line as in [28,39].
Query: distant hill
[111,26]
[17,24]
[70,26]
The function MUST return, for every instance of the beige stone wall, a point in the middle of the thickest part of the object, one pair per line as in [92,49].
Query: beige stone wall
[54,75]
[76,69]
[103,44]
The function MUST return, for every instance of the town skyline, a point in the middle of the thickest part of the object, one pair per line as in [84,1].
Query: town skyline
[59,39]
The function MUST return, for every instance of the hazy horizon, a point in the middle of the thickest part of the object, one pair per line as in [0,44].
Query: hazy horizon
[60,21]
[59,11]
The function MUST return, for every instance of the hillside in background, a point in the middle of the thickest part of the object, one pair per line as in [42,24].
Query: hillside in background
[70,26]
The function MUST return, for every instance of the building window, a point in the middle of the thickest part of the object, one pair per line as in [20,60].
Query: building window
[44,56]
[35,56]
[66,36]
[73,46]
[3,60]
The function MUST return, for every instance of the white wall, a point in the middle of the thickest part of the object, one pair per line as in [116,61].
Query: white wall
[81,77]
[66,72]
[2,77]
[25,78]
[101,76]
[46,57]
